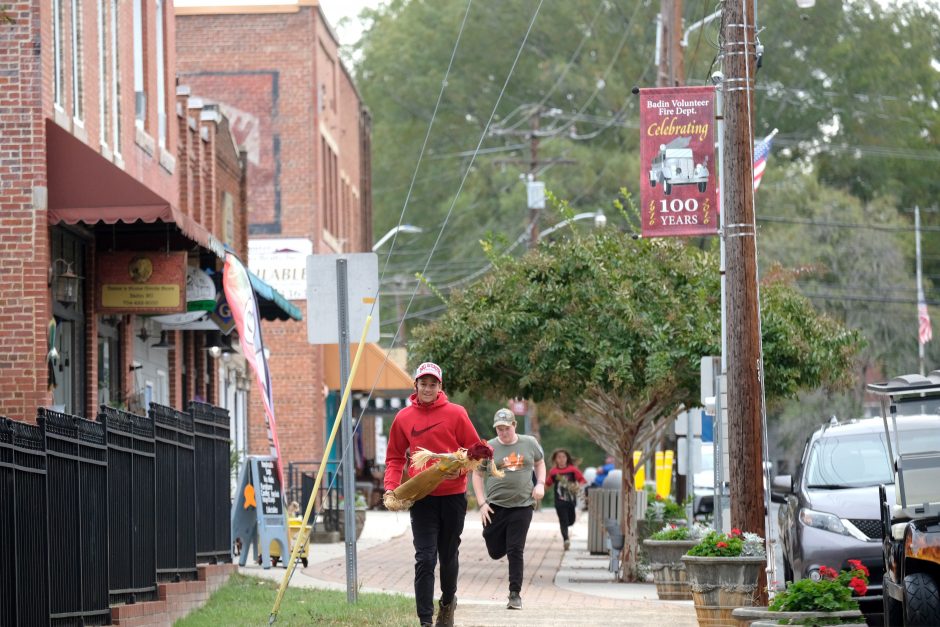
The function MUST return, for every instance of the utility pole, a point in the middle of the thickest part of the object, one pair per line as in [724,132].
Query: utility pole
[671,66]
[745,368]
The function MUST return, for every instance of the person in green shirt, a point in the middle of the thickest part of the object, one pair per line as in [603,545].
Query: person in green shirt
[506,503]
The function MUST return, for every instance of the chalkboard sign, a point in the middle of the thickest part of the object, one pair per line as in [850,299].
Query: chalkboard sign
[269,488]
[258,513]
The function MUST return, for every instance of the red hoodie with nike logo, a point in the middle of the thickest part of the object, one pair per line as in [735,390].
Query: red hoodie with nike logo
[440,427]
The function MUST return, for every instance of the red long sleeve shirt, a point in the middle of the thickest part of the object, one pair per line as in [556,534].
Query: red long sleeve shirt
[440,427]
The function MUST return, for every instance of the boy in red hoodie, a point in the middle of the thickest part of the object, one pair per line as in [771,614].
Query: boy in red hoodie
[433,423]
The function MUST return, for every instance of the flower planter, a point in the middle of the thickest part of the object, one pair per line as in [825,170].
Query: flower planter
[669,572]
[762,617]
[721,584]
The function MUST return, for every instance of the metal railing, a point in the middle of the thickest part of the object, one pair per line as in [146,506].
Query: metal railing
[24,570]
[176,493]
[213,478]
[77,485]
[132,558]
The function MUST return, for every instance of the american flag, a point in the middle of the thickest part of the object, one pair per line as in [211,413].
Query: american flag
[924,332]
[761,150]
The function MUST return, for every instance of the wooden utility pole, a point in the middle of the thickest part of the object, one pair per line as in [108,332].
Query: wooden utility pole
[745,395]
[671,70]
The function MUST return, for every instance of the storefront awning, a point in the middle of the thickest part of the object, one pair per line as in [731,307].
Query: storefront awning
[271,303]
[86,188]
[375,369]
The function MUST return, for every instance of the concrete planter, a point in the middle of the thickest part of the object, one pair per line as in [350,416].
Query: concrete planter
[762,617]
[669,572]
[721,584]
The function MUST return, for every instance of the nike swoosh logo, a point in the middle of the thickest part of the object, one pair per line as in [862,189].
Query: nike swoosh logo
[415,433]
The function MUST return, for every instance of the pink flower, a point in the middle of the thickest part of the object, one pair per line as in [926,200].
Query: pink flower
[722,545]
[859,586]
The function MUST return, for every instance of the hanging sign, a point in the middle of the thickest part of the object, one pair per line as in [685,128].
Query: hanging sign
[678,169]
[144,282]
[200,298]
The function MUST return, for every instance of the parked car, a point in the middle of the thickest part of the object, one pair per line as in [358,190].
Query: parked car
[911,521]
[831,511]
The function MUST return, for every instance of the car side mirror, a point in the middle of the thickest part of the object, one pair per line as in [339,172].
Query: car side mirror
[782,484]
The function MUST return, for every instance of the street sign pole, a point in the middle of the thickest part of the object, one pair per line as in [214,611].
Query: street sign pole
[349,479]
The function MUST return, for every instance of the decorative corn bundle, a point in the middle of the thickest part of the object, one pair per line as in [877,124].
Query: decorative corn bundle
[426,481]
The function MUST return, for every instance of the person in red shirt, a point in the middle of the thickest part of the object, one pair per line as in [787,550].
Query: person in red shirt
[566,479]
[434,423]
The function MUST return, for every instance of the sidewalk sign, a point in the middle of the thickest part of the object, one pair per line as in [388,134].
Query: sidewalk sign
[258,515]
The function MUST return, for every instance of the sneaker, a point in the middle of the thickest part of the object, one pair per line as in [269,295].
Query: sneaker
[445,614]
[515,601]
[567,544]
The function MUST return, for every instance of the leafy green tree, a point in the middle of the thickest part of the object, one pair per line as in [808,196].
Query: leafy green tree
[610,330]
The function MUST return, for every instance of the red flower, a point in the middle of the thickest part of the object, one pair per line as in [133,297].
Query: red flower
[735,532]
[859,586]
[825,571]
[722,545]
[659,498]
[857,565]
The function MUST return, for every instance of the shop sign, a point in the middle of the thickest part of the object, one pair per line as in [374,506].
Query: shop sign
[200,298]
[678,169]
[135,282]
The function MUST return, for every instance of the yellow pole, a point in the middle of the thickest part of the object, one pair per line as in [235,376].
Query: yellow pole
[659,474]
[640,477]
[301,538]
[667,471]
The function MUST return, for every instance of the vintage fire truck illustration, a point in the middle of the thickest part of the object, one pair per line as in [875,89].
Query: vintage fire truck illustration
[675,165]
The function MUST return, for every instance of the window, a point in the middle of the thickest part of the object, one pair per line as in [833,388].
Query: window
[103,92]
[58,52]
[161,77]
[109,361]
[115,81]
[68,375]
[78,68]
[140,92]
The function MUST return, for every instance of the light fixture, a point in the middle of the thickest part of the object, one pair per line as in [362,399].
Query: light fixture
[162,343]
[143,334]
[66,285]
[600,220]
[805,4]
[401,228]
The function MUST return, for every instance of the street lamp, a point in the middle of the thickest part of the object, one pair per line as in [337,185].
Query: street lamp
[600,221]
[404,228]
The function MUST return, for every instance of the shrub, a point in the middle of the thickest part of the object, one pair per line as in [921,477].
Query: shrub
[676,532]
[731,544]
[833,592]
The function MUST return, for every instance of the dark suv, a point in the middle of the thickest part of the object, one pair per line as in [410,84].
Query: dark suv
[831,508]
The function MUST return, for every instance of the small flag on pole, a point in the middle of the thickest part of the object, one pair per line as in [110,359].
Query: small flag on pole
[924,332]
[761,150]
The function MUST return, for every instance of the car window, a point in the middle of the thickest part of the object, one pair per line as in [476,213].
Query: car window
[857,460]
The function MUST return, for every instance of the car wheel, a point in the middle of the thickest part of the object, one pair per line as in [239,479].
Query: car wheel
[667,188]
[893,614]
[701,187]
[652,182]
[921,600]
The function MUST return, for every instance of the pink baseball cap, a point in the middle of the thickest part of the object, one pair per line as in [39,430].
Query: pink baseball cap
[429,368]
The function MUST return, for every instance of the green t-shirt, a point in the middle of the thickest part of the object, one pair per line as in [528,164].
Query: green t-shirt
[517,461]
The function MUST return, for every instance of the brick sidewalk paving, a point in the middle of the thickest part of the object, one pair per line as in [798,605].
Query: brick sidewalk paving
[482,586]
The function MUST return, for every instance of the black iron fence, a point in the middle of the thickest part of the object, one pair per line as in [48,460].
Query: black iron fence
[24,576]
[176,493]
[301,478]
[131,506]
[77,485]
[213,483]
[93,513]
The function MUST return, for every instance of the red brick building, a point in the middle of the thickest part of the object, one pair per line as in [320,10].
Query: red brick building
[114,191]
[275,72]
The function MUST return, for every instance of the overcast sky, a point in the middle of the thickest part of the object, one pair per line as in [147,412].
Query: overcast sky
[335,10]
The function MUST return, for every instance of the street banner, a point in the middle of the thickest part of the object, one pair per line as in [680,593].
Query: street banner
[678,168]
[244,309]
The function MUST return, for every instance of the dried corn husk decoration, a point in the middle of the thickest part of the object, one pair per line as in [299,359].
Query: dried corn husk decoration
[422,484]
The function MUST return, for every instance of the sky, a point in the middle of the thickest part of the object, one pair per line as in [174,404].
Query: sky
[335,10]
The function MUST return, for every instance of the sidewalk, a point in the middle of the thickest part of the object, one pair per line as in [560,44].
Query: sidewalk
[561,587]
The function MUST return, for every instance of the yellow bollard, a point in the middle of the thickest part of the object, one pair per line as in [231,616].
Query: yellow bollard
[667,473]
[659,474]
[640,477]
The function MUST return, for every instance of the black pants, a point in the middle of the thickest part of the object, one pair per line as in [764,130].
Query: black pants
[505,535]
[436,525]
[565,511]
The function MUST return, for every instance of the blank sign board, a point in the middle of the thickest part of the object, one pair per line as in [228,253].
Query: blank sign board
[362,286]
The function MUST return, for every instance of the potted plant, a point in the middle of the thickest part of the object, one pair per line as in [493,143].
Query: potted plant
[829,600]
[723,570]
[665,549]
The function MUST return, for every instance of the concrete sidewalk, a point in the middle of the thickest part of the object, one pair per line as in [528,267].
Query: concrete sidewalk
[561,587]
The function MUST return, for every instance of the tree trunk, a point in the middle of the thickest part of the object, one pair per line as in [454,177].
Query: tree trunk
[628,555]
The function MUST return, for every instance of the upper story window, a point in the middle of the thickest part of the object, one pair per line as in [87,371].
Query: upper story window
[58,55]
[78,67]
[161,77]
[140,82]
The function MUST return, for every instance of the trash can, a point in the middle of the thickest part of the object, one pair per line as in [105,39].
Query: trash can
[604,504]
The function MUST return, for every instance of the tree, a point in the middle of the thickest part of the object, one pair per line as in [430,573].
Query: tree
[611,330]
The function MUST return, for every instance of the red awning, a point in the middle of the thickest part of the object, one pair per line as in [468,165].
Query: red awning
[86,188]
